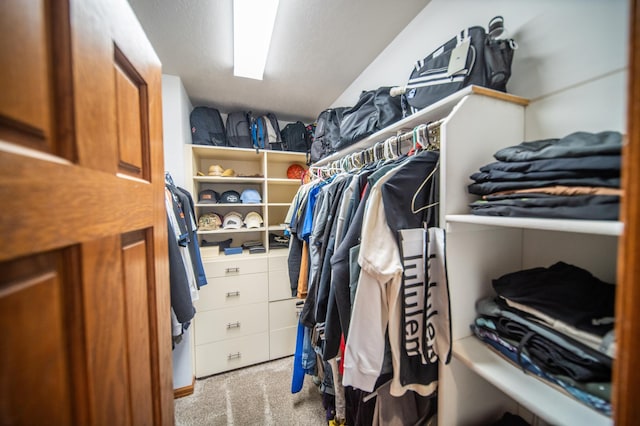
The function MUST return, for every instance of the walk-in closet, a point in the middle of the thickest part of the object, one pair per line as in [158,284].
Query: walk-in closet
[411,213]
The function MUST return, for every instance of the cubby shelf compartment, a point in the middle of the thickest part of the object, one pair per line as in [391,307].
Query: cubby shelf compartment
[552,405]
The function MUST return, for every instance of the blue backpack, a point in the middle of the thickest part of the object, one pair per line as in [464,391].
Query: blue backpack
[265,133]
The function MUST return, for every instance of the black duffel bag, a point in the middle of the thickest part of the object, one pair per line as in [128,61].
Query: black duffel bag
[472,57]
[375,110]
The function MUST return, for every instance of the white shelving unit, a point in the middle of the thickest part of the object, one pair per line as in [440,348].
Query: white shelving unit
[245,315]
[478,386]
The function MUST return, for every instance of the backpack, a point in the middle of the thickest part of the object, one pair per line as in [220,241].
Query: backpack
[207,127]
[239,129]
[295,137]
[265,133]
[327,133]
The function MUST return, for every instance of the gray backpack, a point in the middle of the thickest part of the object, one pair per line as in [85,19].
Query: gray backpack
[239,129]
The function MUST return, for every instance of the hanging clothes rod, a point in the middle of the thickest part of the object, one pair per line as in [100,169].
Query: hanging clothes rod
[424,135]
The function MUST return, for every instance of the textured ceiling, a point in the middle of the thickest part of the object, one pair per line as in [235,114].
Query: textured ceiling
[319,47]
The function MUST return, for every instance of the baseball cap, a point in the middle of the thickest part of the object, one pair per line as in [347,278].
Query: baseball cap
[216,170]
[253,220]
[208,196]
[222,244]
[229,197]
[232,220]
[209,222]
[250,196]
[229,173]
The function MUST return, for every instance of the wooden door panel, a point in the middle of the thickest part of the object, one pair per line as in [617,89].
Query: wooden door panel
[34,359]
[67,204]
[133,120]
[105,325]
[26,91]
[135,264]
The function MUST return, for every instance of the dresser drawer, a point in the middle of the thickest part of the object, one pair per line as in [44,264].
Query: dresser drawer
[233,267]
[283,314]
[282,342]
[279,262]
[219,324]
[233,291]
[212,358]
[279,285]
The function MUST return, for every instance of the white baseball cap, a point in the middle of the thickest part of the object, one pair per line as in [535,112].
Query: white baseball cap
[253,220]
[232,220]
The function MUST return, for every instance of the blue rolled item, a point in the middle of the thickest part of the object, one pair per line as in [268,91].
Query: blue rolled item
[297,380]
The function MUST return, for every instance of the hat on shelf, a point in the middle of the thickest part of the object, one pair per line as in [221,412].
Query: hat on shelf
[229,173]
[250,196]
[229,197]
[209,222]
[232,220]
[208,196]
[295,171]
[216,170]
[222,244]
[253,220]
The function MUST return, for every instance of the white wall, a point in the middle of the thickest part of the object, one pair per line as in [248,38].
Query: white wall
[176,133]
[177,130]
[571,62]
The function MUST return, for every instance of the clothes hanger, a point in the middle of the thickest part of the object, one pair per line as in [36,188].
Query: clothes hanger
[398,141]
[388,150]
[415,210]
[168,179]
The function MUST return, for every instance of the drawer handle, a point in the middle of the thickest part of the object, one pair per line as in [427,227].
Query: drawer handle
[233,324]
[233,293]
[233,356]
[229,270]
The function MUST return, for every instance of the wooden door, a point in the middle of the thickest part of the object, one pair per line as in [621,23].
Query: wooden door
[626,373]
[84,292]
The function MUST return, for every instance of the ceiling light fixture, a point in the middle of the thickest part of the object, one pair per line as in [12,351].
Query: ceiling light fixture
[253,22]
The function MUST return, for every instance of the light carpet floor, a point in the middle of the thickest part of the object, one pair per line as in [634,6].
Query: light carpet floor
[256,395]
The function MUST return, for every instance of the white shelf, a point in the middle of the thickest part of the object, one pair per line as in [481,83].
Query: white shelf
[552,405]
[595,227]
[431,113]
[231,231]
[222,179]
[217,205]
[285,181]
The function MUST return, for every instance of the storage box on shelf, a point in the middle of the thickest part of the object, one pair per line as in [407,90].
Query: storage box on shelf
[245,314]
[478,386]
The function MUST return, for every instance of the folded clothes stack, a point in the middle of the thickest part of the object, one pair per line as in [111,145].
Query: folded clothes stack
[576,177]
[556,323]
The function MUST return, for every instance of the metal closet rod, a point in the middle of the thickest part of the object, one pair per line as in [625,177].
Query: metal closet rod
[387,149]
